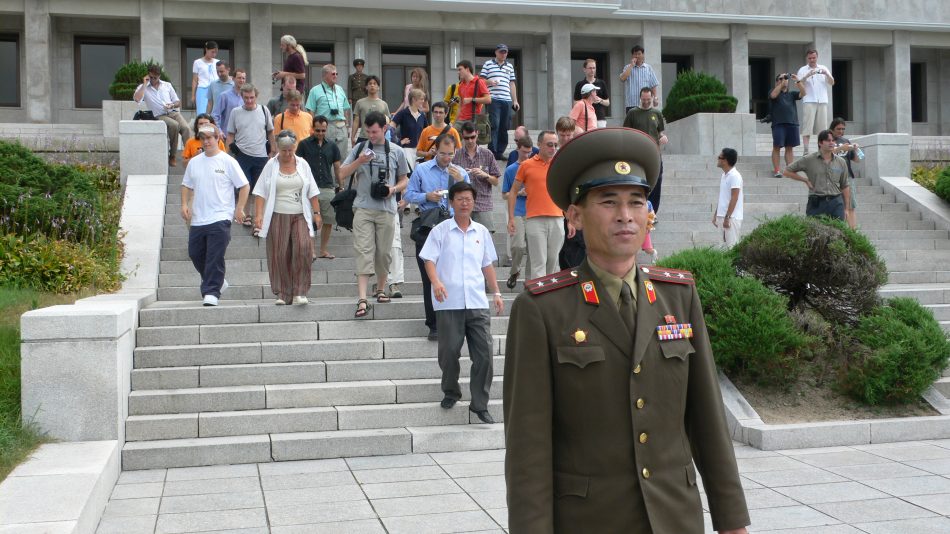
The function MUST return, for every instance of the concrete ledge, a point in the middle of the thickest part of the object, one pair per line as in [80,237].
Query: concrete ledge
[931,207]
[708,133]
[61,488]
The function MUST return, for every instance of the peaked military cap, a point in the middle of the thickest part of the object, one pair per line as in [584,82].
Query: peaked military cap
[601,158]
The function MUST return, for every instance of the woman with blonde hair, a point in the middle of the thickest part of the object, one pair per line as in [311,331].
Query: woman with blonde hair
[418,80]
[287,209]
[296,63]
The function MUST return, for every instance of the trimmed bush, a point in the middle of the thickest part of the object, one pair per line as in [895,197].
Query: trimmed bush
[942,187]
[697,92]
[750,331]
[817,262]
[54,266]
[907,350]
[128,77]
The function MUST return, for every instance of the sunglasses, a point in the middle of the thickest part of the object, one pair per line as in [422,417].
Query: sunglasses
[470,137]
[320,131]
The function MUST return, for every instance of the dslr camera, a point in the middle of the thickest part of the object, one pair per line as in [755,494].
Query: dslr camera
[784,76]
[380,188]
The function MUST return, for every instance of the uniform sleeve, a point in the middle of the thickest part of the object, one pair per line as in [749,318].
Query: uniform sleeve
[528,405]
[708,432]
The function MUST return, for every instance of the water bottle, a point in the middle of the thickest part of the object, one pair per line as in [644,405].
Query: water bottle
[858,152]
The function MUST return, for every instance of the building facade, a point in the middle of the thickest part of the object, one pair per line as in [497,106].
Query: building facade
[891,60]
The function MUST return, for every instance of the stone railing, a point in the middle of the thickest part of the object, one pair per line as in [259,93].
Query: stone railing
[708,133]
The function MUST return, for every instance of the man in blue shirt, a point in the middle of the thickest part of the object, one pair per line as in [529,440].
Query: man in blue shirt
[228,100]
[428,187]
[517,243]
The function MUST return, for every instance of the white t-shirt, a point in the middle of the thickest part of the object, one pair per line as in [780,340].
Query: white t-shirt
[213,179]
[729,181]
[206,71]
[816,87]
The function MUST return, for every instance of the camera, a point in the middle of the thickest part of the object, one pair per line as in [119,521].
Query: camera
[380,189]
[783,76]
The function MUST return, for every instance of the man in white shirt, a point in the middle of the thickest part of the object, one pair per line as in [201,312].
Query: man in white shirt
[459,255]
[818,81]
[163,102]
[208,187]
[728,215]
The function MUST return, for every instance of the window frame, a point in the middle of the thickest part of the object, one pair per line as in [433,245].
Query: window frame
[80,40]
[15,39]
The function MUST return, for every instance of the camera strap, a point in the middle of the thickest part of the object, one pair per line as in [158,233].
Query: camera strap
[370,145]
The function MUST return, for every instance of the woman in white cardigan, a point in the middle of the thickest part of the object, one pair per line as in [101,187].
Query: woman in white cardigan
[286,208]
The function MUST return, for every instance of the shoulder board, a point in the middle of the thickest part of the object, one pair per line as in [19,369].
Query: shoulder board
[565,278]
[662,274]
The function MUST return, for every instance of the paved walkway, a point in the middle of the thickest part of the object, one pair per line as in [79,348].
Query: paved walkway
[898,488]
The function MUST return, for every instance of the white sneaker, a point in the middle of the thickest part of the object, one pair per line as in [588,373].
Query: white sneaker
[300,300]
[280,302]
[210,300]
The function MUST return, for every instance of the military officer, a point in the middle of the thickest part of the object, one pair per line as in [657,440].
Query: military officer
[610,391]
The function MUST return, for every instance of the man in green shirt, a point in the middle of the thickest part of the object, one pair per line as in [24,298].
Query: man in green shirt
[648,120]
[826,176]
[329,99]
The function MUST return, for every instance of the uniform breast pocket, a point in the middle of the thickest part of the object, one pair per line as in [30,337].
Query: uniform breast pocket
[677,348]
[580,357]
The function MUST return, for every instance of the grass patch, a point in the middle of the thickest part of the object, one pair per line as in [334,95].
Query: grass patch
[17,441]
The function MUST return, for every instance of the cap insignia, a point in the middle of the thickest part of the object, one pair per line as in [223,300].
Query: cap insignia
[622,167]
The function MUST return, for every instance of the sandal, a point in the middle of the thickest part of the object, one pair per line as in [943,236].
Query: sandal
[326,256]
[381,297]
[247,221]
[362,308]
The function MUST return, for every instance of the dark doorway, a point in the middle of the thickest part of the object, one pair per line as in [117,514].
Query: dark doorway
[514,57]
[318,55]
[918,92]
[398,63]
[760,85]
[603,69]
[841,90]
[192,49]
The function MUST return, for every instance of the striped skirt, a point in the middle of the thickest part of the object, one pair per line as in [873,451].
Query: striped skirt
[289,255]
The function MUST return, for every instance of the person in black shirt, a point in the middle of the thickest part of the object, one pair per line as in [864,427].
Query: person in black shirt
[321,155]
[785,118]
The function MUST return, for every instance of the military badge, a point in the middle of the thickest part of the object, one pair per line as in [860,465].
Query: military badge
[674,331]
[669,319]
[622,167]
[651,292]
[580,336]
[590,292]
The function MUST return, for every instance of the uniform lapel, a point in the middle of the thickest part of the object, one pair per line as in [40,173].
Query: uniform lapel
[648,318]
[605,315]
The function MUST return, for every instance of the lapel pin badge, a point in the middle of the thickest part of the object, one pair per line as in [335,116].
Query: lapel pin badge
[580,336]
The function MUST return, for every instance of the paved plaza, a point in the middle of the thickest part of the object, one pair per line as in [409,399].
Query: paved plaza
[897,488]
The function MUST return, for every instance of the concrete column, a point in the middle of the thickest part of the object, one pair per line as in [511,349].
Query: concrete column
[560,86]
[36,41]
[737,65]
[897,81]
[822,43]
[152,30]
[652,44]
[943,93]
[262,46]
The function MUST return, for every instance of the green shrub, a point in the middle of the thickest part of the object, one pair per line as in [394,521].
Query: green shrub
[128,77]
[907,349]
[749,328]
[926,175]
[697,92]
[818,262]
[942,185]
[54,266]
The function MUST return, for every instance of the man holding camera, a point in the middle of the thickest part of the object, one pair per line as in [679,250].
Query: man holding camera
[784,118]
[818,81]
[381,170]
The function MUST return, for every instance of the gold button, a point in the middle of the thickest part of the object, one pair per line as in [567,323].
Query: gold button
[643,437]
[640,404]
[636,370]
[646,473]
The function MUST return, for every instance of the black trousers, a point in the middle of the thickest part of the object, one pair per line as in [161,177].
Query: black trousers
[654,197]
[426,289]
[206,247]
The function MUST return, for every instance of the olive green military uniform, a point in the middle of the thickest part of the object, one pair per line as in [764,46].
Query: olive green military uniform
[603,425]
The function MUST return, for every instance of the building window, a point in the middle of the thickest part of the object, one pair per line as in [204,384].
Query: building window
[761,82]
[398,63]
[97,59]
[192,49]
[918,92]
[10,63]
[318,55]
[603,70]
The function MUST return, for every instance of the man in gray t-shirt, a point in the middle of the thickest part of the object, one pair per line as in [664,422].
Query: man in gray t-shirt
[380,166]
[250,128]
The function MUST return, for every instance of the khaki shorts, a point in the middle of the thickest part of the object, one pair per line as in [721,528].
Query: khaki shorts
[814,118]
[373,240]
[326,210]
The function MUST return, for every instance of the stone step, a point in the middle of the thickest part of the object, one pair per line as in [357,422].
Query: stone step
[309,445]
[918,277]
[309,419]
[941,311]
[317,291]
[924,293]
[711,190]
[155,336]
[260,252]
[943,385]
[318,275]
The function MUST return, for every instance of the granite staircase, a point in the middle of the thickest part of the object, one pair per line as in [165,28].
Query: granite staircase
[249,381]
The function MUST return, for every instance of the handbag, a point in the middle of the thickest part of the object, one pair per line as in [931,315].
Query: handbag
[143,115]
[343,206]
[427,220]
[482,124]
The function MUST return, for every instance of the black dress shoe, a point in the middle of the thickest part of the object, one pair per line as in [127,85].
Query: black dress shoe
[448,402]
[433,334]
[483,415]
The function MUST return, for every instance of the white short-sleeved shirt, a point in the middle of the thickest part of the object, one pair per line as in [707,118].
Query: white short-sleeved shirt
[459,258]
[729,181]
[816,87]
[213,179]
[156,98]
[206,71]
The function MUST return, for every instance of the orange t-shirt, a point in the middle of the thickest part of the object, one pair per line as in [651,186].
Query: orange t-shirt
[425,143]
[533,173]
[301,125]
[193,148]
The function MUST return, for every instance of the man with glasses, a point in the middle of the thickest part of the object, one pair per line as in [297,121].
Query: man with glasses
[500,77]
[322,156]
[329,99]
[163,102]
[427,187]
[426,147]
[602,99]
[544,221]
[482,167]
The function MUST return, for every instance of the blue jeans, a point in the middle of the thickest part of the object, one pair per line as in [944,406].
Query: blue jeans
[251,166]
[499,117]
[206,247]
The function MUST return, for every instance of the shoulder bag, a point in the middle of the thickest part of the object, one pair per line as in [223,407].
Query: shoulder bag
[481,120]
[343,201]
[429,219]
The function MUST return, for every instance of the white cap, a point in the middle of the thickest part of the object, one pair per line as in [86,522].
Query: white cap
[588,87]
[207,129]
